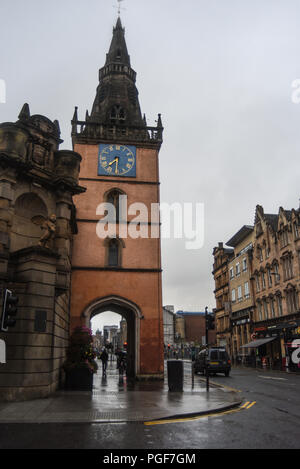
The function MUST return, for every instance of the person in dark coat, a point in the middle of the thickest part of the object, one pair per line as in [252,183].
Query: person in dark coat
[104,359]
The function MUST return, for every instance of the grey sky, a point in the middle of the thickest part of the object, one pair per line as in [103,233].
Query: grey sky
[219,72]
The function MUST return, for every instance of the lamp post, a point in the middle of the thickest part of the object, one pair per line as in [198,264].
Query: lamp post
[206,340]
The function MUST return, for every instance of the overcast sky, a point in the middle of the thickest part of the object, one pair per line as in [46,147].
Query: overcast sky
[220,73]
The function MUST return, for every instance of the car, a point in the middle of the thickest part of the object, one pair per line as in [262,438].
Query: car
[213,359]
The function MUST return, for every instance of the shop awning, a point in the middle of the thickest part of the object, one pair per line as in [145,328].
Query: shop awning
[258,342]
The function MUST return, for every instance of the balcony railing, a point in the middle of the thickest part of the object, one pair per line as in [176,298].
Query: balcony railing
[94,130]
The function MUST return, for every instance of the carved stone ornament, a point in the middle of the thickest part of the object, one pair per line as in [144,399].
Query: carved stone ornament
[49,228]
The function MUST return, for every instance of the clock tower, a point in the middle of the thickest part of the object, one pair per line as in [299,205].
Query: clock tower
[120,161]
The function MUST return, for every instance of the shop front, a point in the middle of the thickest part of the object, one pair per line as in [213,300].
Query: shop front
[275,346]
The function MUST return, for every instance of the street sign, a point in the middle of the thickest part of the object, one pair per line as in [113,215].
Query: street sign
[2,352]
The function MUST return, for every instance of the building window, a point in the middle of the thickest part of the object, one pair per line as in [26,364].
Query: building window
[266,312]
[246,288]
[296,230]
[113,197]
[231,272]
[260,253]
[269,277]
[259,307]
[244,265]
[272,304]
[113,253]
[237,269]
[240,296]
[276,272]
[257,283]
[263,280]
[117,115]
[279,305]
[233,296]
[291,300]
[283,236]
[287,266]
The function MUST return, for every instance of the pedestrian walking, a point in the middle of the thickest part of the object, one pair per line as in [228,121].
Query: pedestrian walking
[104,359]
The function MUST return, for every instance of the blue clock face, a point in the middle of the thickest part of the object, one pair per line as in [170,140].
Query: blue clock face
[117,160]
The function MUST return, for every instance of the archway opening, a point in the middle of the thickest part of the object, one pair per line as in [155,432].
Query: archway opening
[117,322]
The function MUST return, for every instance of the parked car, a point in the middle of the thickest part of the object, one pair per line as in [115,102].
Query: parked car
[215,359]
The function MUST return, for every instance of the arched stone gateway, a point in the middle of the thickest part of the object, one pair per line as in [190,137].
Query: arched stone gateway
[133,316]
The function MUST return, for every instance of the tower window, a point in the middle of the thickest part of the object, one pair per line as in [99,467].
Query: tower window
[117,115]
[113,197]
[113,253]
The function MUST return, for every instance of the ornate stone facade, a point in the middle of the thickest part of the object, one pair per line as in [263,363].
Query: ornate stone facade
[37,223]
[271,311]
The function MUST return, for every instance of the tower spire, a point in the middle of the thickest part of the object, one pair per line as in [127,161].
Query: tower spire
[117,102]
[118,49]
[116,109]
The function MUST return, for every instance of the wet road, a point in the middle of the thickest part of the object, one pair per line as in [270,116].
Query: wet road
[270,419]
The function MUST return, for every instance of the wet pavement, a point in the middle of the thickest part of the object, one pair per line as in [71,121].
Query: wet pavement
[116,399]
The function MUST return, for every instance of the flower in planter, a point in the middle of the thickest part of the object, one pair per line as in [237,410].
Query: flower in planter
[80,353]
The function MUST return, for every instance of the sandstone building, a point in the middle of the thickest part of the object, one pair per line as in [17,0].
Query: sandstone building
[240,292]
[37,185]
[222,257]
[265,315]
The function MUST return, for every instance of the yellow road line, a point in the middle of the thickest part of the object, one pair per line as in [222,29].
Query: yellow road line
[247,405]
[189,419]
[251,404]
[221,385]
[244,405]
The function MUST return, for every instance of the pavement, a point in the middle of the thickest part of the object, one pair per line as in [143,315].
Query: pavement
[115,400]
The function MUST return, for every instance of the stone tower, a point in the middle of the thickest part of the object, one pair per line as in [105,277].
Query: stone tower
[119,158]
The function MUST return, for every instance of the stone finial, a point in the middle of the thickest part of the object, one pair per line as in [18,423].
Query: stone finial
[25,112]
[57,127]
[75,116]
[159,121]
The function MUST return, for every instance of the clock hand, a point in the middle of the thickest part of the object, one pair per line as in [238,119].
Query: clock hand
[117,162]
[112,162]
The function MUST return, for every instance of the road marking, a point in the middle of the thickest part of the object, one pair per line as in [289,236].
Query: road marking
[247,405]
[244,405]
[221,385]
[270,377]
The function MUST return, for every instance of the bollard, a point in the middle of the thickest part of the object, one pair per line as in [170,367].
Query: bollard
[193,374]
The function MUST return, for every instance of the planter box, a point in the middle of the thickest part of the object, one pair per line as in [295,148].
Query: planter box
[79,379]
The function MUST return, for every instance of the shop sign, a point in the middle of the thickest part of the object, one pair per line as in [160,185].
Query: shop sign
[296,353]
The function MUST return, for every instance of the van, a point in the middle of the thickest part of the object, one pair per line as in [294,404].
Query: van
[215,359]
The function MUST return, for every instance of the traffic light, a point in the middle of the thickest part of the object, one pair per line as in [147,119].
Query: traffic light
[210,322]
[9,310]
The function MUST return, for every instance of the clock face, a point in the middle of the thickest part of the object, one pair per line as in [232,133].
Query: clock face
[117,160]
